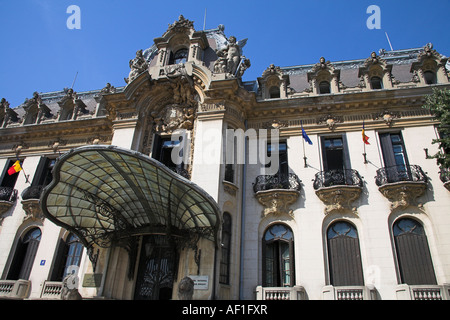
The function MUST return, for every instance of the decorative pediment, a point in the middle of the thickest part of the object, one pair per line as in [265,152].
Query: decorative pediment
[375,66]
[429,60]
[322,72]
[273,83]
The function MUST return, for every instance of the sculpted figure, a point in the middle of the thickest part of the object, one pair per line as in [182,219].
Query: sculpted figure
[186,289]
[137,66]
[69,290]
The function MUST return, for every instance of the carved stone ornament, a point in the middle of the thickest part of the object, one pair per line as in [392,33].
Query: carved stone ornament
[230,59]
[339,198]
[32,210]
[277,201]
[387,116]
[330,121]
[403,194]
[137,66]
[174,117]
[275,124]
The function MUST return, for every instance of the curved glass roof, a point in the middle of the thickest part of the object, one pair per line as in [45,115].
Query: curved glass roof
[106,193]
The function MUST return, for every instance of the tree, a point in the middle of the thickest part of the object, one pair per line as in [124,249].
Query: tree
[439,104]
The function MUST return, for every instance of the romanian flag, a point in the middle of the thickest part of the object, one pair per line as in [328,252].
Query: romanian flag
[364,137]
[15,168]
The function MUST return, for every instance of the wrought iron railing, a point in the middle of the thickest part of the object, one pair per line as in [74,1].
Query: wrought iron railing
[343,177]
[32,192]
[413,173]
[8,194]
[277,181]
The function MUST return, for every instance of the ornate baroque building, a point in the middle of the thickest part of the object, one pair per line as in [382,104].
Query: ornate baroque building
[102,208]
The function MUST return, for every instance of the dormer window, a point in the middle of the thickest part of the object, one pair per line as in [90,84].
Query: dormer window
[376,83]
[324,78]
[429,67]
[324,87]
[180,56]
[274,92]
[430,77]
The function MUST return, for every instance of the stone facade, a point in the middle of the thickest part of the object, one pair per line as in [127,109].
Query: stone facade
[192,80]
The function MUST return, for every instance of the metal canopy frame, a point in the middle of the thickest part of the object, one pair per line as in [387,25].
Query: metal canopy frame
[107,194]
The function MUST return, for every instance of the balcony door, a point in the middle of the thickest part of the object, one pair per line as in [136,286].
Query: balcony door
[278,257]
[336,161]
[24,255]
[395,157]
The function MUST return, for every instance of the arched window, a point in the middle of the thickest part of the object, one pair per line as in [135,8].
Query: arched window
[226,244]
[68,255]
[430,77]
[324,87]
[344,257]
[278,257]
[274,92]
[180,56]
[413,254]
[24,255]
[376,83]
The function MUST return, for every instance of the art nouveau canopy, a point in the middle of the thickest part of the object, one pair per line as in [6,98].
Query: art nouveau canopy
[106,193]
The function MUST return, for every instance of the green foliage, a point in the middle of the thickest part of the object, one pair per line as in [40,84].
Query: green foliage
[439,104]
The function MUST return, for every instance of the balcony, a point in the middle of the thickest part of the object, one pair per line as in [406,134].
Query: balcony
[280,293]
[423,292]
[30,202]
[52,290]
[277,192]
[337,189]
[14,289]
[349,293]
[444,175]
[7,198]
[402,185]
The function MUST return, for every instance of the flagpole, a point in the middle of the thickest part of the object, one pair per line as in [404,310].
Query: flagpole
[303,143]
[364,144]
[304,153]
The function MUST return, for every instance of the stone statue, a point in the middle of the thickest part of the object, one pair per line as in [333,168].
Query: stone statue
[230,59]
[69,290]
[137,66]
[186,289]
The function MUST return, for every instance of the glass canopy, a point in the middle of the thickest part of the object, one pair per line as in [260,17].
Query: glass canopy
[106,193]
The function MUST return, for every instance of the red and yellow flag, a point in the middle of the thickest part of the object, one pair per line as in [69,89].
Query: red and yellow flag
[364,137]
[15,168]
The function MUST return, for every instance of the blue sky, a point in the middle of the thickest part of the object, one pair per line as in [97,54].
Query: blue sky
[39,53]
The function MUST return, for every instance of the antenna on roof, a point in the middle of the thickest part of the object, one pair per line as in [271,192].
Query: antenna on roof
[390,45]
[74,80]
[204,21]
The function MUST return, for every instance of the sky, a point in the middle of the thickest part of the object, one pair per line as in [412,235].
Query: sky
[38,52]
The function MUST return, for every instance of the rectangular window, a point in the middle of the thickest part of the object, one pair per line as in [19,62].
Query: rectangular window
[394,157]
[162,150]
[43,175]
[283,169]
[6,179]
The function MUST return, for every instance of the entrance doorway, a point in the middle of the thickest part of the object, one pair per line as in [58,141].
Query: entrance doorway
[157,269]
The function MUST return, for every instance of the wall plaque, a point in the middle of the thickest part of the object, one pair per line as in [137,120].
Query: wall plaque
[92,280]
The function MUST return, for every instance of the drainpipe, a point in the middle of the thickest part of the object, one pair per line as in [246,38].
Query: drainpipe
[241,263]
